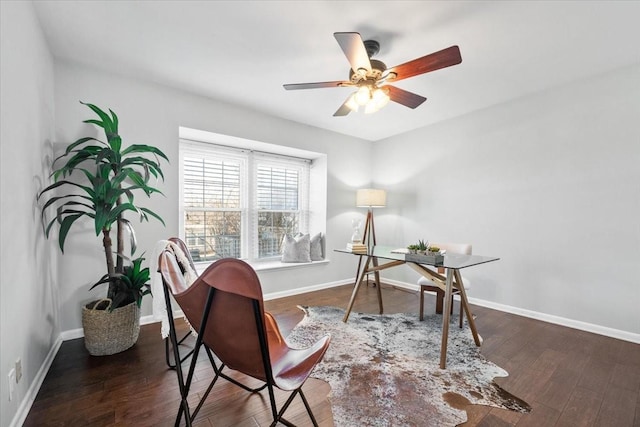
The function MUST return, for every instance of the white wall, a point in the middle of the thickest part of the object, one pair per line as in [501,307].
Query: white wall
[151,114]
[550,183]
[28,302]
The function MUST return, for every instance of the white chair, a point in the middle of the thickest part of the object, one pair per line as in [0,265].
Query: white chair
[428,285]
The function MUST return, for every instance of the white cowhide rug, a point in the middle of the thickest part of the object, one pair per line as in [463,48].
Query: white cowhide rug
[384,369]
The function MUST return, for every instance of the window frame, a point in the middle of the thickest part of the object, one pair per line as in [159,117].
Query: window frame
[302,167]
[250,159]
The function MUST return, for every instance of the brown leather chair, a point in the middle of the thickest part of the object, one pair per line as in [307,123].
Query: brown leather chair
[225,307]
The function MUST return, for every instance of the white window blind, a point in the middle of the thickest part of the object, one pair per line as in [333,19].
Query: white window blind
[281,188]
[238,203]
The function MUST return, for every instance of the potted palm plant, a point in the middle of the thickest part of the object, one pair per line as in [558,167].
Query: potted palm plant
[98,180]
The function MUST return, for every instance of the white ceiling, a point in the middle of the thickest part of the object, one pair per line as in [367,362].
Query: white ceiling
[242,52]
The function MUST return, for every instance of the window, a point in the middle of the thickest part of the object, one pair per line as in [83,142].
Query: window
[211,194]
[240,203]
[279,200]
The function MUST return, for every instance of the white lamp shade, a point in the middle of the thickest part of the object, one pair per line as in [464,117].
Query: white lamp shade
[371,198]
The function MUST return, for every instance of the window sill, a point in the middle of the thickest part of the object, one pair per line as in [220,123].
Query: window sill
[278,265]
[269,265]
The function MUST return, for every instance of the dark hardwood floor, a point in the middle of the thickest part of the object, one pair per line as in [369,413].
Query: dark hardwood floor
[569,377]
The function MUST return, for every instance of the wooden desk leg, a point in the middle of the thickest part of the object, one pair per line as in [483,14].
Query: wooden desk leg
[359,266]
[467,310]
[376,274]
[356,287]
[446,316]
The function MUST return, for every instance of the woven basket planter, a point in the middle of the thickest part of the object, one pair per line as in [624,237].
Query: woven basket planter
[109,332]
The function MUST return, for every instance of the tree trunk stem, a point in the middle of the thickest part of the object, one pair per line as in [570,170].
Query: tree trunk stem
[108,252]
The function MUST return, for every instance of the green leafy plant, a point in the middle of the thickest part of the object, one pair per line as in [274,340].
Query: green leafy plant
[108,178]
[131,285]
[422,245]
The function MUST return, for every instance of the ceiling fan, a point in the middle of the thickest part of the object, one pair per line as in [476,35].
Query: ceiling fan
[372,77]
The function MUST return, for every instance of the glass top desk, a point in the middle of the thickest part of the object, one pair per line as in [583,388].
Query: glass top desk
[452,263]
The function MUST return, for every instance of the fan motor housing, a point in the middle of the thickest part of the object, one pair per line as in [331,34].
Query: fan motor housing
[377,68]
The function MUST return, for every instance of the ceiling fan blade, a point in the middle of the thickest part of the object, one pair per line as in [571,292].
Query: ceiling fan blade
[343,110]
[296,86]
[353,48]
[434,61]
[401,96]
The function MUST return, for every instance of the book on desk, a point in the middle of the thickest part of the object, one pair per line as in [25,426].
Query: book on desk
[357,248]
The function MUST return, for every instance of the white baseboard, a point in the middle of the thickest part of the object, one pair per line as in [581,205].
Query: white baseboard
[72,334]
[291,292]
[562,321]
[549,318]
[399,284]
[557,320]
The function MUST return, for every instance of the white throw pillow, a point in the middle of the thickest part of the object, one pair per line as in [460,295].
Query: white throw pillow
[316,248]
[296,249]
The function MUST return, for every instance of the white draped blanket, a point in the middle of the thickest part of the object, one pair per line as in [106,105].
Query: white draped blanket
[159,304]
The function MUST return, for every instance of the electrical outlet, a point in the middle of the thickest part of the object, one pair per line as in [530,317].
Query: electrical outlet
[12,383]
[18,370]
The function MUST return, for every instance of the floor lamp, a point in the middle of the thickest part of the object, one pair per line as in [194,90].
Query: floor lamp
[370,198]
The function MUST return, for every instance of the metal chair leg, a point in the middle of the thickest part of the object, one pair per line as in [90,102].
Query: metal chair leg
[166,351]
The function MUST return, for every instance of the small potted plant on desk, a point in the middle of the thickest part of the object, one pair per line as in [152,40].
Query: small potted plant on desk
[107,178]
[424,253]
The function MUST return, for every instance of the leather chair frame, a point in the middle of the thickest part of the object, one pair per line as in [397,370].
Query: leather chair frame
[211,288]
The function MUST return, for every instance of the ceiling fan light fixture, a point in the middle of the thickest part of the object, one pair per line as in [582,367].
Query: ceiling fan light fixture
[362,95]
[351,103]
[380,96]
[371,107]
